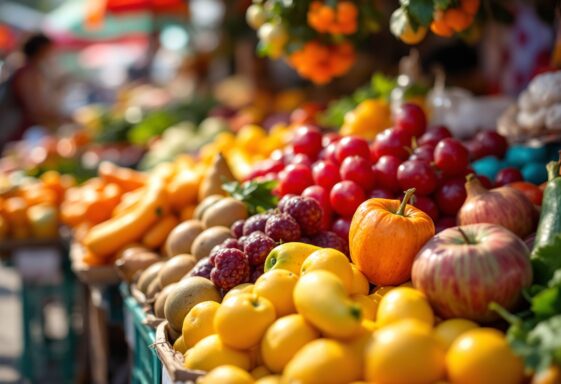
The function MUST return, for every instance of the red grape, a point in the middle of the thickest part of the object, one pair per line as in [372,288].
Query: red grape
[307,140]
[427,205]
[507,176]
[451,195]
[492,144]
[379,193]
[485,181]
[326,174]
[303,159]
[411,119]
[341,227]
[417,174]
[475,149]
[345,197]
[434,135]
[451,157]
[294,179]
[359,170]
[331,137]
[385,172]
[352,146]
[391,142]
[329,153]
[321,195]
[445,222]
[423,153]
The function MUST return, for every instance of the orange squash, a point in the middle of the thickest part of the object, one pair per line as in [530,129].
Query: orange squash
[106,238]
[126,178]
[157,235]
[385,237]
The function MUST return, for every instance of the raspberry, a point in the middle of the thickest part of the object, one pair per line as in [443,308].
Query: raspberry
[255,273]
[307,212]
[328,239]
[237,228]
[232,243]
[282,228]
[242,240]
[257,247]
[284,200]
[202,268]
[231,268]
[255,223]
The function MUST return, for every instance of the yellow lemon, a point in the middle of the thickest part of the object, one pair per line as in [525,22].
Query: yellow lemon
[242,288]
[405,352]
[227,374]
[323,361]
[271,379]
[404,303]
[321,299]
[360,284]
[377,295]
[179,345]
[241,321]
[277,286]
[259,372]
[211,352]
[368,306]
[284,339]
[329,259]
[449,330]
[289,256]
[198,323]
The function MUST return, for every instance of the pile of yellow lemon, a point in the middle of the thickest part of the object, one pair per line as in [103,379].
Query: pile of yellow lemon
[310,319]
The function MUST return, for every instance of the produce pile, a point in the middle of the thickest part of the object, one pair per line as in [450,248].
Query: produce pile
[358,295]
[123,206]
[29,206]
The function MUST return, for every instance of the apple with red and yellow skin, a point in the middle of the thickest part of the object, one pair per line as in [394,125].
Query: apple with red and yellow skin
[464,269]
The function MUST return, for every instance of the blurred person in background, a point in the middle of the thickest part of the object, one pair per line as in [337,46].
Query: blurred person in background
[29,96]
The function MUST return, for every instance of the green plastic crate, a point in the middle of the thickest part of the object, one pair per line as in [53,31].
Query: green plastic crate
[146,367]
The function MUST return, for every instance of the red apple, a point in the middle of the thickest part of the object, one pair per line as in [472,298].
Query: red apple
[464,269]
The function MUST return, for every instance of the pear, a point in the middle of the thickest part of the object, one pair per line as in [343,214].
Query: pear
[217,175]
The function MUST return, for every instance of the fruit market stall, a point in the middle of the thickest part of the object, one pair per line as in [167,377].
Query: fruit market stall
[403,233]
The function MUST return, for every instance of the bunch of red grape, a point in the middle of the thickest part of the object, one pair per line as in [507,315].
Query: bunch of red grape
[240,259]
[342,172]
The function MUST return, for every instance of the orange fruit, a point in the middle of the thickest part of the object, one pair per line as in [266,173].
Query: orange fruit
[405,352]
[483,356]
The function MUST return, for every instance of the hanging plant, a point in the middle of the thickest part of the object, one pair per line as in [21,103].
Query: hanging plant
[317,38]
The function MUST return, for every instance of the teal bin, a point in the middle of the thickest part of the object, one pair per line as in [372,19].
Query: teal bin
[146,367]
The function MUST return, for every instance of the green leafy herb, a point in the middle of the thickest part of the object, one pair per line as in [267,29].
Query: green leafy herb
[257,195]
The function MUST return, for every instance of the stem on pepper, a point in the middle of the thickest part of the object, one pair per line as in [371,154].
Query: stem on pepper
[408,194]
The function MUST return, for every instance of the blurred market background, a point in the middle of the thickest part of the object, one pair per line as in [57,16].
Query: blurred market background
[138,82]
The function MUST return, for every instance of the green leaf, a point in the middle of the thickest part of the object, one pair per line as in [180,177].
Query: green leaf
[383,85]
[257,195]
[442,4]
[421,11]
[547,303]
[546,260]
[546,337]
